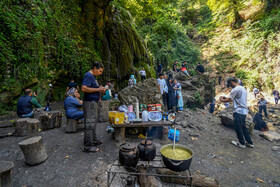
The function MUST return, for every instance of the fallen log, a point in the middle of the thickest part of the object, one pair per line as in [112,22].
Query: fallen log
[34,150]
[197,180]
[145,180]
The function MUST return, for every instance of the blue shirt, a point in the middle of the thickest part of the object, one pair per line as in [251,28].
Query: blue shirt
[90,81]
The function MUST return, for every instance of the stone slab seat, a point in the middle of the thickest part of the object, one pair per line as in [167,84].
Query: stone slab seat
[5,173]
[34,150]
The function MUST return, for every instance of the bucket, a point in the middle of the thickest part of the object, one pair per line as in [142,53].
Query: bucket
[130,108]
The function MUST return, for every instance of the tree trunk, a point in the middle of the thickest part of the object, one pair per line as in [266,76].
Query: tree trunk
[34,150]
[103,111]
[27,127]
[5,173]
[71,126]
[50,119]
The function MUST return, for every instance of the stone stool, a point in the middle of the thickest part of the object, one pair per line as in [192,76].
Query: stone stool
[27,127]
[71,126]
[34,150]
[5,173]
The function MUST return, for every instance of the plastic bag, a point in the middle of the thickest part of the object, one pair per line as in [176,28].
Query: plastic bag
[123,108]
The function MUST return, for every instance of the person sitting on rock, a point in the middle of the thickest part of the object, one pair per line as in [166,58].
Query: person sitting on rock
[184,69]
[199,68]
[72,105]
[175,67]
[178,94]
[131,81]
[25,105]
[259,122]
[262,106]
[34,101]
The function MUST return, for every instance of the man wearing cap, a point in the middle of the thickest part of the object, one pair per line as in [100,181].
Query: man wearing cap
[238,96]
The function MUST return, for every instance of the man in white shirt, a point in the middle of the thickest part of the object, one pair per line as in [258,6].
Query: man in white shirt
[239,97]
[143,74]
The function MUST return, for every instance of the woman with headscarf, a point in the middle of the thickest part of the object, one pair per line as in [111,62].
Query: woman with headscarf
[72,105]
[131,81]
[171,93]
[178,94]
[108,94]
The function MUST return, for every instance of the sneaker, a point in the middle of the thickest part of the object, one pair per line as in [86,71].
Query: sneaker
[238,144]
[250,145]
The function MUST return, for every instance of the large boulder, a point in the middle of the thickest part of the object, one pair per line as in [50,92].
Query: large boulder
[146,92]
[198,91]
[227,117]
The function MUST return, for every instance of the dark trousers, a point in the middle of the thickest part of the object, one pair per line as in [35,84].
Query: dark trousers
[165,101]
[240,128]
[263,108]
[143,77]
[90,109]
[276,100]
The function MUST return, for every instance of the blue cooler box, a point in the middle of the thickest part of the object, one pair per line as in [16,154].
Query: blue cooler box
[171,134]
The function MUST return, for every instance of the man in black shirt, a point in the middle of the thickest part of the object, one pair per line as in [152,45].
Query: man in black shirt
[199,68]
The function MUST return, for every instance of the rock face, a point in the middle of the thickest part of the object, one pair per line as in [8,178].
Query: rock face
[227,117]
[146,92]
[196,92]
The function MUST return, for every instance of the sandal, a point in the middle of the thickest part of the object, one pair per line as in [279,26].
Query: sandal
[99,142]
[91,150]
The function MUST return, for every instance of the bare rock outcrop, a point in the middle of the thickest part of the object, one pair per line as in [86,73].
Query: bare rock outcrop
[146,92]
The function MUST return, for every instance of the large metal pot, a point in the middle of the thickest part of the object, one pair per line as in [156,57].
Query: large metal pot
[177,165]
[147,150]
[128,155]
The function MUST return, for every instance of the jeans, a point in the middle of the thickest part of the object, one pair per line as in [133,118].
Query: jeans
[186,72]
[143,77]
[30,115]
[263,108]
[90,109]
[240,129]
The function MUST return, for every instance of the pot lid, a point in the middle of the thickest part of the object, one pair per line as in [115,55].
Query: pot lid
[127,147]
[149,142]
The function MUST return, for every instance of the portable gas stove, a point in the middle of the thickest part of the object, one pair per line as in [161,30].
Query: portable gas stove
[152,166]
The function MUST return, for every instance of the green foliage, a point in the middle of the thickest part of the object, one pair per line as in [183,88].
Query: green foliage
[35,41]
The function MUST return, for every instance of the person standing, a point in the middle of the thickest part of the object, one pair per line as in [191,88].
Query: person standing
[92,91]
[143,74]
[256,91]
[220,79]
[131,81]
[262,106]
[171,94]
[238,95]
[159,68]
[178,95]
[276,96]
[72,84]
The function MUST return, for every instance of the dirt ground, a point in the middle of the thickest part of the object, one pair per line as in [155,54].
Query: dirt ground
[214,156]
